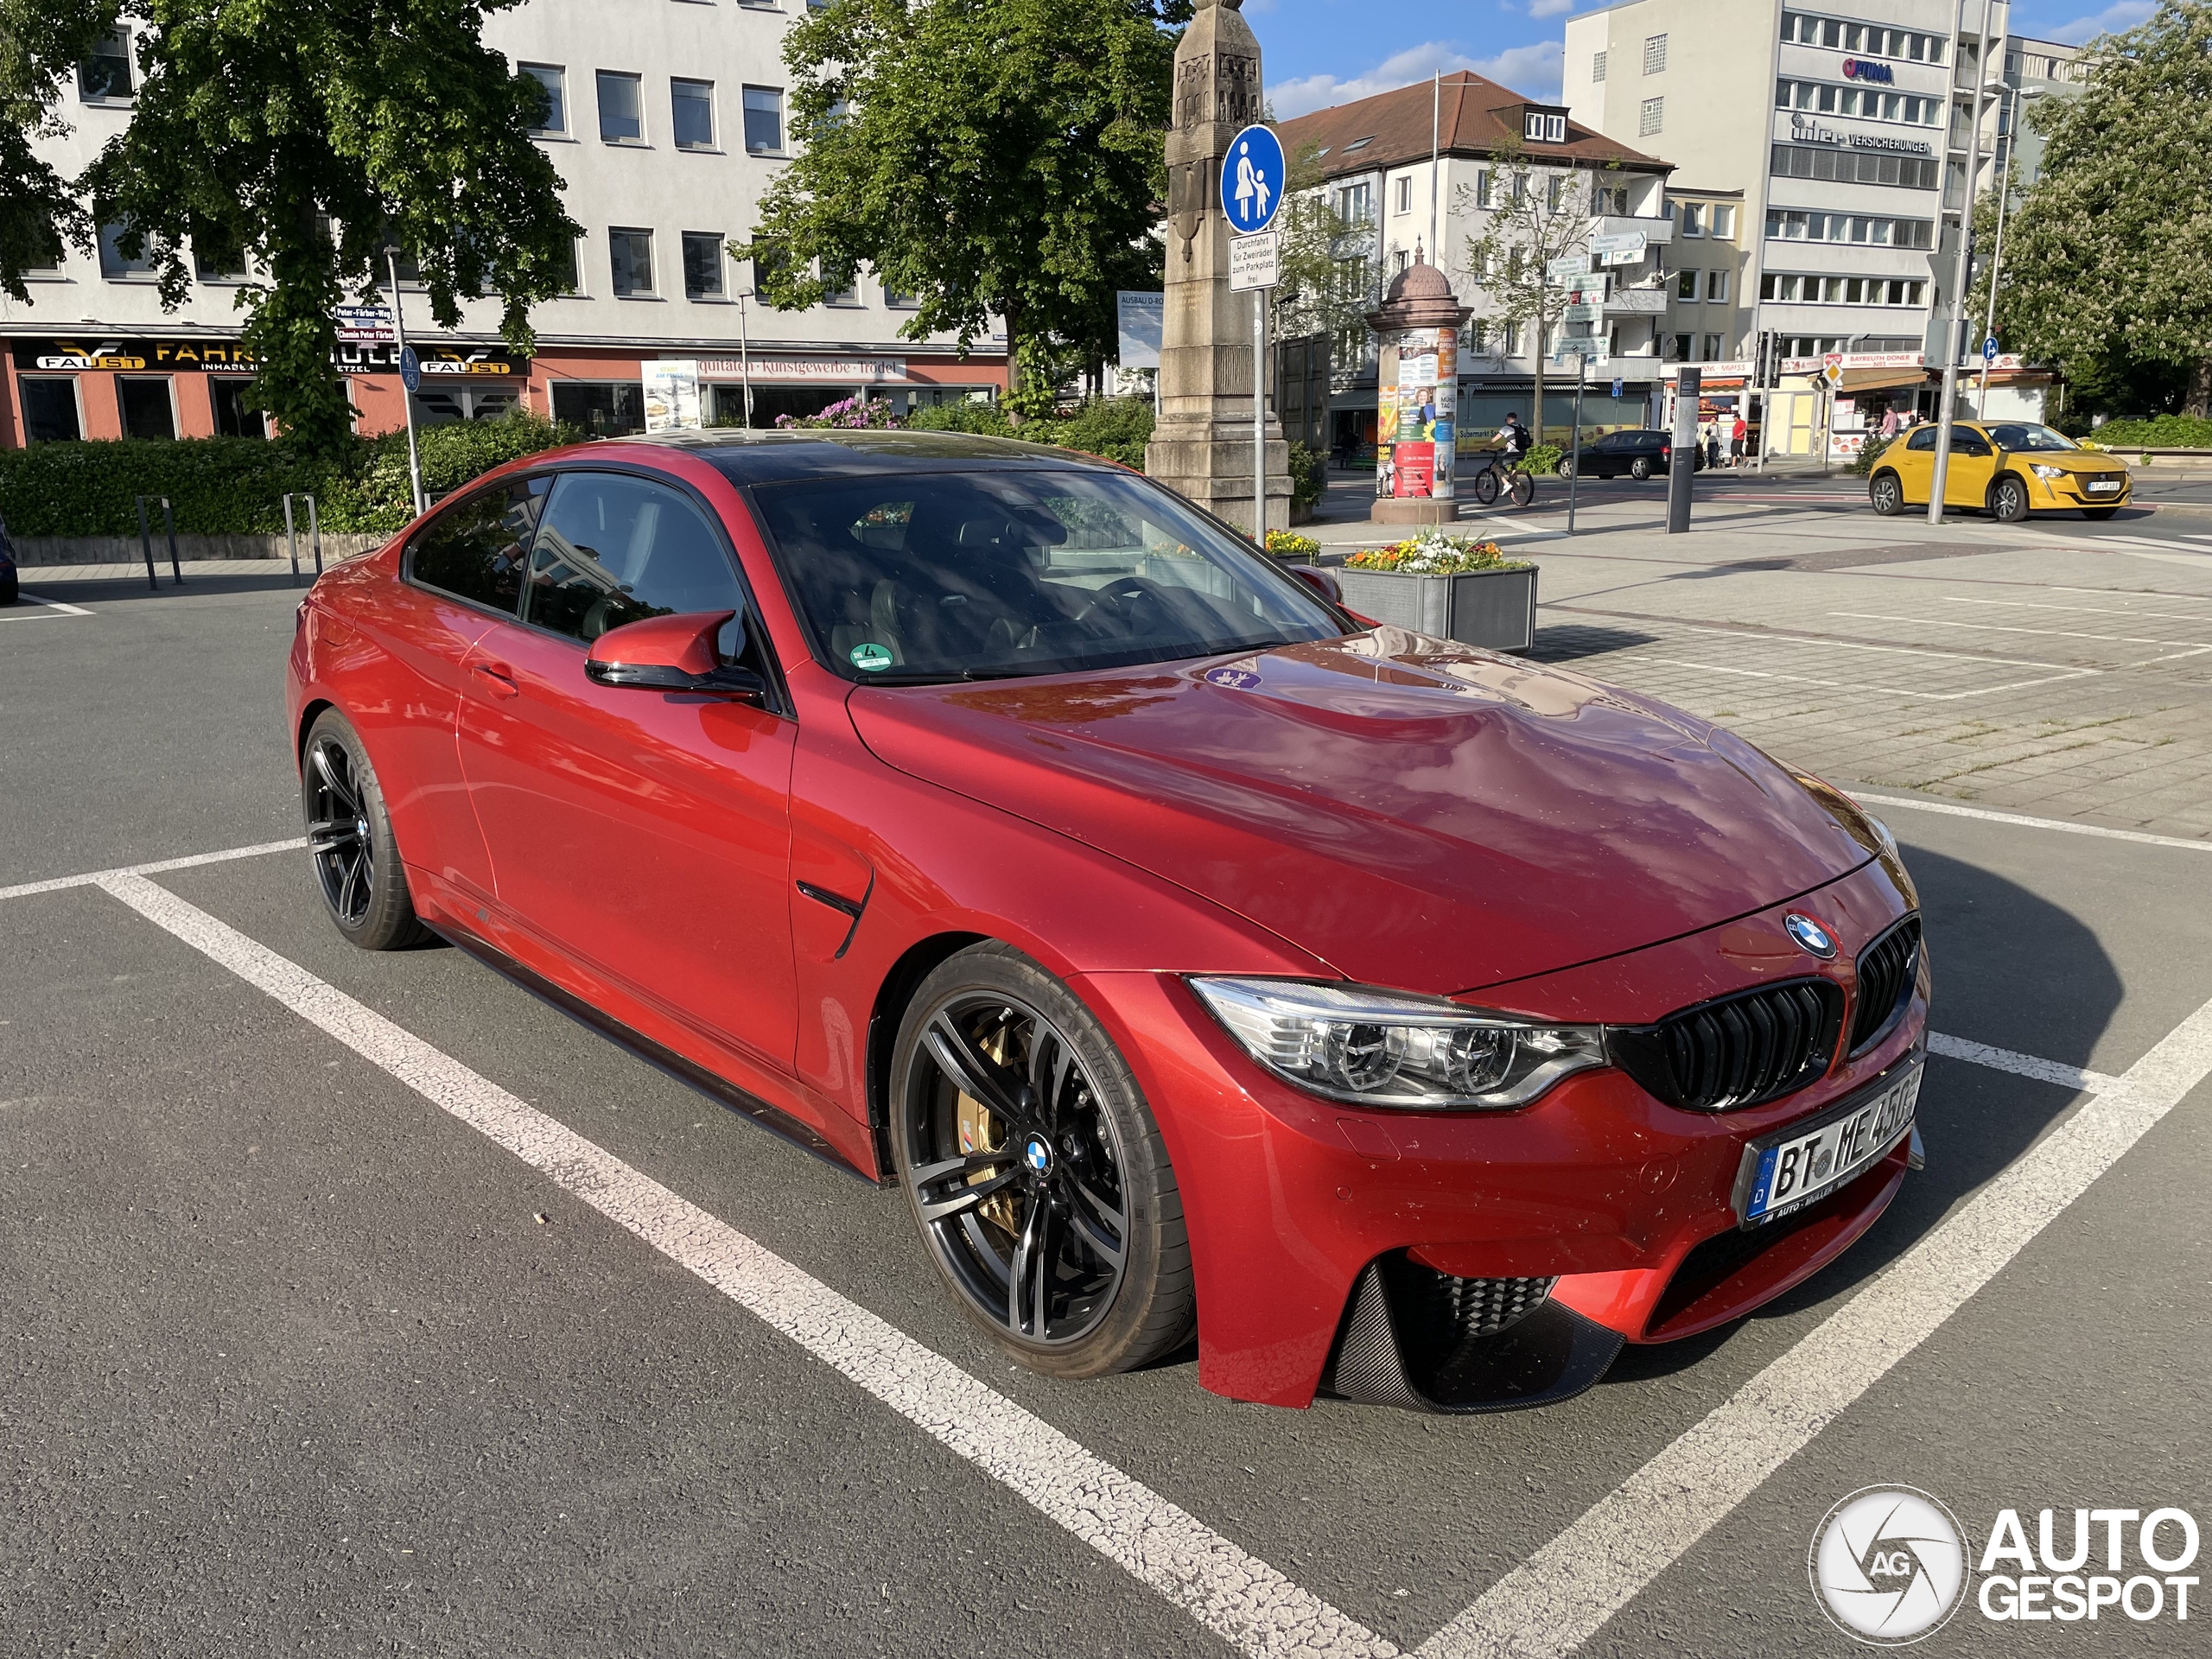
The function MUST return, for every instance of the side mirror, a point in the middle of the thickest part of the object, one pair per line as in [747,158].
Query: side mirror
[1323,582]
[672,653]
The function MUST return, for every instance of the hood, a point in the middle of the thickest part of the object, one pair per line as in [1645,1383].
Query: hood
[1417,814]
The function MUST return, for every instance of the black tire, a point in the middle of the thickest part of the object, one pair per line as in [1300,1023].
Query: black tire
[2008,500]
[1523,489]
[990,1209]
[350,842]
[1640,468]
[2098,512]
[1886,491]
[1486,485]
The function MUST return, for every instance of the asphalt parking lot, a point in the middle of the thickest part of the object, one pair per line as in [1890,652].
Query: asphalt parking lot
[365,1305]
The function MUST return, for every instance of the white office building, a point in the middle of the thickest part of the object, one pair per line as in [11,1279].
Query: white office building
[669,119]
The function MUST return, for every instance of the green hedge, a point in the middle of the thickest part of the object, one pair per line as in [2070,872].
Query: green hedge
[236,486]
[1116,427]
[2163,432]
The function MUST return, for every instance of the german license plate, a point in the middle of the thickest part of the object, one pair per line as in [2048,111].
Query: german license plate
[1790,1168]
[2107,485]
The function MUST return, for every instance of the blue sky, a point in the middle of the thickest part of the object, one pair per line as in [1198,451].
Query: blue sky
[1323,52]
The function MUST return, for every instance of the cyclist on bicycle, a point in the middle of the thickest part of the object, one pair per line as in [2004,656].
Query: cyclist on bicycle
[1515,437]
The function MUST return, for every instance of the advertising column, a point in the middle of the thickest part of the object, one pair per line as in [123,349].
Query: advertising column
[1416,399]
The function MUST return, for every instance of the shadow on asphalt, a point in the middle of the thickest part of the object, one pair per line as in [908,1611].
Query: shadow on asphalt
[1975,1120]
[108,590]
[1567,642]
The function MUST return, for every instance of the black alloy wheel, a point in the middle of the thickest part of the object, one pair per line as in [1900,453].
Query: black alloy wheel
[2008,498]
[1887,494]
[1036,1175]
[350,840]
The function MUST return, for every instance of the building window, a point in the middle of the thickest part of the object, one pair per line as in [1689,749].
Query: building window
[1596,66]
[702,265]
[555,80]
[1716,286]
[897,300]
[693,113]
[116,264]
[148,409]
[106,76]
[1554,191]
[570,275]
[622,109]
[1402,197]
[1655,54]
[606,410]
[1512,340]
[1353,207]
[50,410]
[763,120]
[1713,347]
[1686,285]
[1678,347]
[1724,221]
[1850,167]
[1486,188]
[1539,128]
[629,257]
[235,414]
[846,296]
[1692,221]
[1652,117]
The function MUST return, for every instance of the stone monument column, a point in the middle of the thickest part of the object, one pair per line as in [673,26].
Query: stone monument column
[1202,446]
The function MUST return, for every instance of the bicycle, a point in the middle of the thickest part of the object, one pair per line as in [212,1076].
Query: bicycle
[1487,481]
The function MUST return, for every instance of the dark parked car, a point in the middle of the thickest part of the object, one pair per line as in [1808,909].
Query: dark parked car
[1638,454]
[7,566]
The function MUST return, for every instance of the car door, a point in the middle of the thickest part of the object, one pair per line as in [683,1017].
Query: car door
[1972,466]
[460,575]
[645,835]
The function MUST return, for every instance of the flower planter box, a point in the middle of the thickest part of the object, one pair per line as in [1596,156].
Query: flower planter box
[1493,608]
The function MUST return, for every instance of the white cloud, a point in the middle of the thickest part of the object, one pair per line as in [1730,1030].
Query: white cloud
[1533,71]
[1551,8]
[2125,14]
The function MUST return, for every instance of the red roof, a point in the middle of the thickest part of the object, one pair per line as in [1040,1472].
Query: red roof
[1479,116]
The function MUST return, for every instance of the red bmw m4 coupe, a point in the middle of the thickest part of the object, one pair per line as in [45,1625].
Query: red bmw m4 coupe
[1407,1023]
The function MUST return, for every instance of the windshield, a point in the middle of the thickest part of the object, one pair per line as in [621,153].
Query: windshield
[937,577]
[2027,437]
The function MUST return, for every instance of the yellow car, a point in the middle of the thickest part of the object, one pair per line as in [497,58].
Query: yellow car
[2010,469]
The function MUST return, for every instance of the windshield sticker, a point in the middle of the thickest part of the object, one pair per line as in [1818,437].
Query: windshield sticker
[871,658]
[1236,679]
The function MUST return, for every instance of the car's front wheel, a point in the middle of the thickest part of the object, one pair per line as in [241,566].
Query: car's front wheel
[2008,500]
[350,840]
[1887,494]
[1034,1170]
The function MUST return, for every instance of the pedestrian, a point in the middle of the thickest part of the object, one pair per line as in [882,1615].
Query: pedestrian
[1889,422]
[1712,446]
[1737,434]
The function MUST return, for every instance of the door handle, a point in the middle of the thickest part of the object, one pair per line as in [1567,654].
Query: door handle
[499,680]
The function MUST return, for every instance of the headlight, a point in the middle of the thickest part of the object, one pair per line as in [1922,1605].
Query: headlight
[2042,471]
[1386,1049]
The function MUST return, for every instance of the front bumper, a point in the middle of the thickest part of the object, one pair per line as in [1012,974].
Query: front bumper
[1290,1199]
[2072,490]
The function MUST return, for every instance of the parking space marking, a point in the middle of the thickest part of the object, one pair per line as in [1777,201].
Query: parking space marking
[2065,825]
[2085,610]
[2015,627]
[191,861]
[1236,1595]
[1550,1604]
[1861,685]
[2025,1066]
[52,607]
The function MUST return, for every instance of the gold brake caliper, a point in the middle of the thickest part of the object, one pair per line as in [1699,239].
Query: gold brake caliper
[980,1131]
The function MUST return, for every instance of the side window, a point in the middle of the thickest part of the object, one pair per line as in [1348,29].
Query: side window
[475,550]
[1922,439]
[1969,443]
[615,549]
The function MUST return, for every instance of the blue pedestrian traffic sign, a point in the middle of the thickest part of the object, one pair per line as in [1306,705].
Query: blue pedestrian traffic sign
[1251,180]
[1616,388]
[411,370]
[1989,349]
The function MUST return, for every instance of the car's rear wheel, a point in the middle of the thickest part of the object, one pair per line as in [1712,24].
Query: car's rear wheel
[2098,512]
[1567,466]
[2008,500]
[1036,1174]
[1640,468]
[350,840]
[1887,494]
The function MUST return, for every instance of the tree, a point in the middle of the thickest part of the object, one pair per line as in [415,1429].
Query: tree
[2105,257]
[990,157]
[42,41]
[1533,216]
[309,134]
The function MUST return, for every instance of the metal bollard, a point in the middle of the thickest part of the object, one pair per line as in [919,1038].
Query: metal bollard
[314,536]
[146,545]
[169,523]
[292,538]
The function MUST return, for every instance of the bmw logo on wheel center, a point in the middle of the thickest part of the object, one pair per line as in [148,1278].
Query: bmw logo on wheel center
[1810,935]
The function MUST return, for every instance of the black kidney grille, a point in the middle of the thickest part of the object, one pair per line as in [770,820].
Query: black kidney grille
[1887,968]
[1737,1050]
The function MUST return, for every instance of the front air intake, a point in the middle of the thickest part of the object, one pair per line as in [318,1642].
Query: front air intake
[1737,1050]
[1887,969]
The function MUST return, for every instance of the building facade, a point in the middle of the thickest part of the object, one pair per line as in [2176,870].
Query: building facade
[1392,203]
[668,119]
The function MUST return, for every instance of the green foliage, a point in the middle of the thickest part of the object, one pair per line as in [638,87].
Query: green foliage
[1116,428]
[237,485]
[990,157]
[1309,478]
[968,415]
[1542,459]
[2105,257]
[307,135]
[2164,432]
[41,43]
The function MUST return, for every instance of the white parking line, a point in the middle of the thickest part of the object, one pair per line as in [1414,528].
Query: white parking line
[1236,1595]
[1861,685]
[2025,1065]
[2084,610]
[190,861]
[1561,1596]
[2014,627]
[52,607]
[2062,824]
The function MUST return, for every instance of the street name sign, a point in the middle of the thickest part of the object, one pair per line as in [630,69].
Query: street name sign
[1567,265]
[1253,174]
[1585,313]
[1255,262]
[363,325]
[1631,243]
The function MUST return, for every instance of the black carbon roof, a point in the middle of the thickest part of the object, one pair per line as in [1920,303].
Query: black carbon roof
[766,457]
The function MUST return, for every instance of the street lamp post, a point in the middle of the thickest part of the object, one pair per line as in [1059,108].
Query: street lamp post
[1997,259]
[1955,326]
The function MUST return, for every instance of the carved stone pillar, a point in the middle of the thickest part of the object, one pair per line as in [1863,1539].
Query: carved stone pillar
[1202,446]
